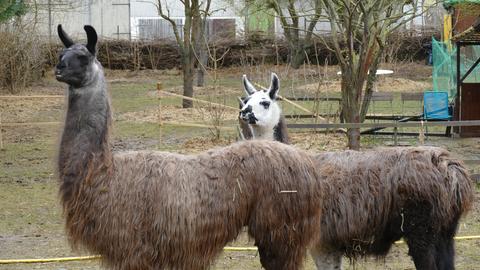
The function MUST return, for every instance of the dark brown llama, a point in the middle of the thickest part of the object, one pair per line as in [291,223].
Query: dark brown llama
[156,210]
[374,198]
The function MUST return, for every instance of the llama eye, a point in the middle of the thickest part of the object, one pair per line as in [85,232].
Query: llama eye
[265,104]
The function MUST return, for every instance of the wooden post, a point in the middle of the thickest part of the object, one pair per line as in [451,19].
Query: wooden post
[395,136]
[159,88]
[1,137]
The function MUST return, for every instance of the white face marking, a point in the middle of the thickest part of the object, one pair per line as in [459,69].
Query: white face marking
[260,110]
[95,67]
[266,111]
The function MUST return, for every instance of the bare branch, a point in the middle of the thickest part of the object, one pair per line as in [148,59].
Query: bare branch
[172,22]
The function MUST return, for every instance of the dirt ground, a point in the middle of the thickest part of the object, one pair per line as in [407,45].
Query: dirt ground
[31,222]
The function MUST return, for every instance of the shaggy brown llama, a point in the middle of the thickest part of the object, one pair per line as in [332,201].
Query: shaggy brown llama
[156,210]
[374,198]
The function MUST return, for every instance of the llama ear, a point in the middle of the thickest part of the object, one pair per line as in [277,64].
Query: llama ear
[66,40]
[274,87]
[247,86]
[92,38]
[241,103]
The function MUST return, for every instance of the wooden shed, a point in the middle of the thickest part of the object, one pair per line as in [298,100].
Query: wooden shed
[466,34]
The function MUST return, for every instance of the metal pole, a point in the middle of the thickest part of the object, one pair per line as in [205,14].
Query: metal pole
[49,3]
[159,88]
[459,94]
[1,136]
[395,136]
[90,12]
[129,20]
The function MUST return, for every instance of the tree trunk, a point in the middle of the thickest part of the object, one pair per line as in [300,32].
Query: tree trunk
[297,55]
[352,115]
[187,79]
[200,77]
[371,79]
[350,109]
[353,135]
[202,64]
[201,51]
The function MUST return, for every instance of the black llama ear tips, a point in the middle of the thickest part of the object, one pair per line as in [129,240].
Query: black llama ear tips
[247,86]
[66,40]
[274,86]
[92,38]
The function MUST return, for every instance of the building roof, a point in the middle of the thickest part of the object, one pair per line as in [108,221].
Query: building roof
[472,34]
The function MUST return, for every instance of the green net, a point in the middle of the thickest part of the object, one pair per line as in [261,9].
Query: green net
[445,66]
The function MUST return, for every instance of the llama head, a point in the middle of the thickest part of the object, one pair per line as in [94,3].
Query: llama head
[260,107]
[77,64]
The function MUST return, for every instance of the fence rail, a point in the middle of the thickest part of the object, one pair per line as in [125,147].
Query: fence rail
[467,123]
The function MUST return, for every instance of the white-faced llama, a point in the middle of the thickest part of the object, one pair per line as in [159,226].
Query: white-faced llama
[156,210]
[376,197]
[260,115]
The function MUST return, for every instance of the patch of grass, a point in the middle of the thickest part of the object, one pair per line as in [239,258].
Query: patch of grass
[27,160]
[132,97]
[30,209]
[126,129]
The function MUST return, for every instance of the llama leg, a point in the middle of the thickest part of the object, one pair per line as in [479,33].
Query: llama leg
[280,257]
[421,247]
[445,247]
[445,256]
[327,260]
[420,235]
[445,253]
[423,257]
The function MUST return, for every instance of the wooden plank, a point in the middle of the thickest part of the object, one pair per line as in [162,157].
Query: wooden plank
[390,124]
[22,124]
[386,133]
[411,96]
[381,96]
[27,97]
[309,116]
[337,99]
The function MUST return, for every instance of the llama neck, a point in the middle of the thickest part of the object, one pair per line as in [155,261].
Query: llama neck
[84,148]
[263,132]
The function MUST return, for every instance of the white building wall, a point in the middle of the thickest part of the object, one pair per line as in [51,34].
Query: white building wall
[120,18]
[109,17]
[219,9]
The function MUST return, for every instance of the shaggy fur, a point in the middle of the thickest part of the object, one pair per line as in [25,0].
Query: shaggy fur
[376,197]
[156,210]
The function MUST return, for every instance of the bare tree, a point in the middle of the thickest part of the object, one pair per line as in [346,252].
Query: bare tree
[310,11]
[201,45]
[291,14]
[195,14]
[359,30]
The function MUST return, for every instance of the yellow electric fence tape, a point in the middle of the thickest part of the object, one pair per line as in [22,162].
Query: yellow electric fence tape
[96,257]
